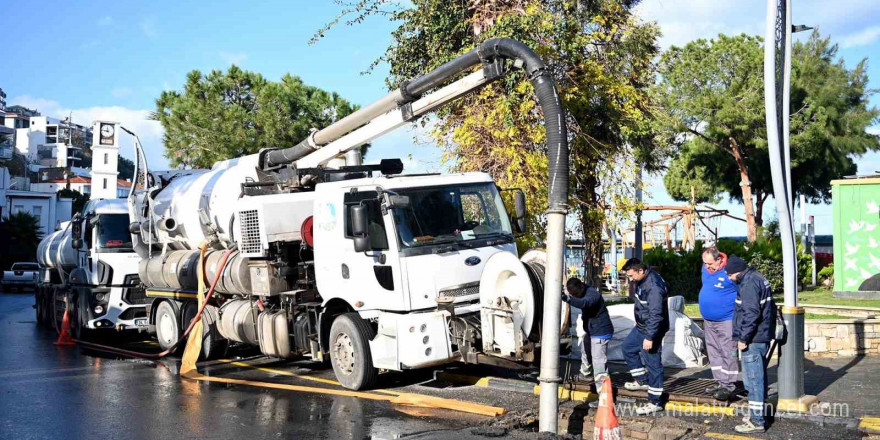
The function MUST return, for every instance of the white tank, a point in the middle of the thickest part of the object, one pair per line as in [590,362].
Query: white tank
[57,250]
[216,191]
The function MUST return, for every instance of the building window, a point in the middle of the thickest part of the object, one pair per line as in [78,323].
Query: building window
[17,208]
[105,183]
[38,213]
[106,158]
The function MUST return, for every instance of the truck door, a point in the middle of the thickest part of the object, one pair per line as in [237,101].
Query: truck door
[372,278]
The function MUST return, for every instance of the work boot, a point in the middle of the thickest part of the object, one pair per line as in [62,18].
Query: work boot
[711,389]
[635,386]
[747,426]
[722,394]
[649,408]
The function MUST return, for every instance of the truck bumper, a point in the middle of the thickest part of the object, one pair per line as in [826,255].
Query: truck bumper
[415,340]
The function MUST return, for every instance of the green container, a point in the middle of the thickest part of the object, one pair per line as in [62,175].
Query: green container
[856,236]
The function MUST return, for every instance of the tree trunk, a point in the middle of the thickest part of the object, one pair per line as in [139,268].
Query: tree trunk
[591,217]
[746,185]
[760,197]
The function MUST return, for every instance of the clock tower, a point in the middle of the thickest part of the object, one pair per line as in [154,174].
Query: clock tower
[105,159]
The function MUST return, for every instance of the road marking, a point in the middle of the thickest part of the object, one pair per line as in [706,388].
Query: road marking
[870,424]
[401,398]
[728,436]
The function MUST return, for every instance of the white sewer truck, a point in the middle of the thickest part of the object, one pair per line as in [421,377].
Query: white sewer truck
[377,269]
[90,268]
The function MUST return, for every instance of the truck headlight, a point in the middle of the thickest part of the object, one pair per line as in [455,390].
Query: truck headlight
[99,309]
[99,297]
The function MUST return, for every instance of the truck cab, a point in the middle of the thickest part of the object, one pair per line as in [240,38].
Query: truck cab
[91,268]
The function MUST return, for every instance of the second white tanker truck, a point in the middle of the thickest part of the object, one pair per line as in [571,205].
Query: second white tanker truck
[387,271]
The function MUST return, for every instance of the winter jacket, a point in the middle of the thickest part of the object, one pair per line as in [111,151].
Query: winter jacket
[594,314]
[717,295]
[754,319]
[651,309]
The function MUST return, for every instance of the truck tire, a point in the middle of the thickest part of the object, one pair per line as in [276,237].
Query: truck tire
[39,307]
[350,352]
[214,345]
[167,325]
[78,318]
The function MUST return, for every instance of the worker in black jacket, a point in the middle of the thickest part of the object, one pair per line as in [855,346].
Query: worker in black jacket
[643,347]
[754,326]
[597,327]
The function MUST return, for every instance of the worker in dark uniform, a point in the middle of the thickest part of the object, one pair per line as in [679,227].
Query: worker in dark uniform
[597,328]
[754,326]
[643,347]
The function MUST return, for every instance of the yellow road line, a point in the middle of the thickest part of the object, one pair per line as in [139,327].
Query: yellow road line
[575,395]
[412,399]
[728,436]
[870,424]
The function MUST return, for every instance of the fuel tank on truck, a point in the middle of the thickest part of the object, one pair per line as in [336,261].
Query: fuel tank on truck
[213,191]
[56,250]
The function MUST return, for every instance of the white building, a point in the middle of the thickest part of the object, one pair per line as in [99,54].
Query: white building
[45,140]
[49,210]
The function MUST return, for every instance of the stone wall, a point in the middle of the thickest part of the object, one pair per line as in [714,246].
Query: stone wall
[842,337]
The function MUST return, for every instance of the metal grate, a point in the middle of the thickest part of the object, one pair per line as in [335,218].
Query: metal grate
[136,294]
[687,389]
[249,241]
[463,290]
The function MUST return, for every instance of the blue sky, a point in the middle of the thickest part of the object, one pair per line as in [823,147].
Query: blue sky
[110,60]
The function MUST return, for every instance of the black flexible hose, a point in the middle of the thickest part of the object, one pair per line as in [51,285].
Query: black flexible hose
[545,90]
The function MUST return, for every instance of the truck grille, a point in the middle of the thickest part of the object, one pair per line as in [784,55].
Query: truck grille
[463,290]
[249,240]
[134,295]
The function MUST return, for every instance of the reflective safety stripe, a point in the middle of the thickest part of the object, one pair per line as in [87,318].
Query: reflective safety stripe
[637,372]
[766,299]
[738,301]
[716,367]
[756,405]
[655,391]
[729,372]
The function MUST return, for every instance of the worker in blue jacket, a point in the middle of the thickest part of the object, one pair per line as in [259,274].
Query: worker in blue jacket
[597,328]
[643,347]
[754,326]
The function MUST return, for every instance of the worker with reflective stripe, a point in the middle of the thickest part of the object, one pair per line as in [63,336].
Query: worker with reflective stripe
[643,347]
[754,326]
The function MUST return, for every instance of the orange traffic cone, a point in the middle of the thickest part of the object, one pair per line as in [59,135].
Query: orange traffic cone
[64,338]
[606,426]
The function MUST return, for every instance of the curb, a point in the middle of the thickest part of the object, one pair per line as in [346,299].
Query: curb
[497,383]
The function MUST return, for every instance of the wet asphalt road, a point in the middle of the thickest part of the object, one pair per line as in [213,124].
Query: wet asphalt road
[59,392]
[49,392]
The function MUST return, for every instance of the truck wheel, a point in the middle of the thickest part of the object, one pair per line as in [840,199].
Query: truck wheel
[167,325]
[350,352]
[40,309]
[77,320]
[213,344]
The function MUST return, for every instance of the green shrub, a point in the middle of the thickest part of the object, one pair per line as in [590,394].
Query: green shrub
[680,269]
[772,270]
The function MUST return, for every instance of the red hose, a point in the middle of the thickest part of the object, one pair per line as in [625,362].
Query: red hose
[189,328]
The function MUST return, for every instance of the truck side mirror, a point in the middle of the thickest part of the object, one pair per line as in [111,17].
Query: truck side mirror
[76,232]
[519,202]
[359,228]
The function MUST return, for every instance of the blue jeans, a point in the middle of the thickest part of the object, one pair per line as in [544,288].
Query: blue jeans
[754,374]
[637,358]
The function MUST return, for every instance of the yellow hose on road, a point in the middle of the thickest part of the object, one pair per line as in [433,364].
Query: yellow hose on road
[189,370]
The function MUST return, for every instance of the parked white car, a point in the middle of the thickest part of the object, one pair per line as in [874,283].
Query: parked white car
[19,276]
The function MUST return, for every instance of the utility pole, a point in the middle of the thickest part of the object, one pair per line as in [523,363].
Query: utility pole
[637,246]
[777,77]
[811,229]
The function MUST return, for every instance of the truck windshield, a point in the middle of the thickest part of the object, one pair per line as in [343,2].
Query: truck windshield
[25,266]
[113,232]
[451,214]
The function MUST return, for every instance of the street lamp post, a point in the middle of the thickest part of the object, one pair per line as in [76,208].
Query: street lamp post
[777,77]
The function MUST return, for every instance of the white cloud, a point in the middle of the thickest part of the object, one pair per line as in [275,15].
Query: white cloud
[682,21]
[137,120]
[121,92]
[148,27]
[862,38]
[233,57]
[105,21]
